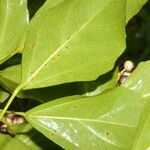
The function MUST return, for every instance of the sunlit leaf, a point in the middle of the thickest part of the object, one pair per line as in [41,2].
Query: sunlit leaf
[107,121]
[72,41]
[13,21]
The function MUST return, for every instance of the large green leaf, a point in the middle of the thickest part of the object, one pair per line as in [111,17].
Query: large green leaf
[71,42]
[105,122]
[9,143]
[142,138]
[139,80]
[13,21]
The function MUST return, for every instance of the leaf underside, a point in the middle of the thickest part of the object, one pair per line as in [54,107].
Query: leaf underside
[71,41]
[90,123]
[13,21]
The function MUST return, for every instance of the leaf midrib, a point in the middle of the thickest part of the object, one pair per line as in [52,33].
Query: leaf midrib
[82,119]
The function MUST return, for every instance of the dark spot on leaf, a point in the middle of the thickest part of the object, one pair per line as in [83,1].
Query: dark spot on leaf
[34,44]
[75,106]
[46,65]
[107,133]
[56,57]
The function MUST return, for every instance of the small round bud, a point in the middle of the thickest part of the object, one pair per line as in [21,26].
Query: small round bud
[3,128]
[8,120]
[14,119]
[20,120]
[128,65]
[11,116]
[122,79]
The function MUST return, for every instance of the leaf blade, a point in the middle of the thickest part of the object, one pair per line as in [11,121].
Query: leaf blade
[3,96]
[9,143]
[95,120]
[73,64]
[13,20]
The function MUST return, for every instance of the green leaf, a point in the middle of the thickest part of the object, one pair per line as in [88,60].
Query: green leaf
[71,42]
[13,21]
[10,77]
[139,80]
[133,7]
[142,137]
[3,96]
[9,143]
[26,134]
[107,121]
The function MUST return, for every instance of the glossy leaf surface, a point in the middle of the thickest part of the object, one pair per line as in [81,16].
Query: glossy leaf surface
[13,21]
[103,121]
[139,80]
[10,77]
